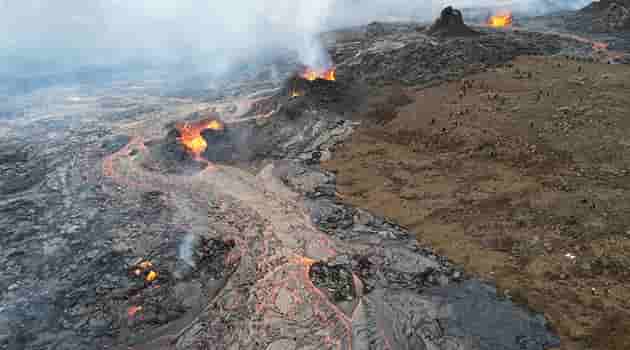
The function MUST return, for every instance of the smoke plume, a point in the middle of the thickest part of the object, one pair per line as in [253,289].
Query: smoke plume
[206,34]
[186,249]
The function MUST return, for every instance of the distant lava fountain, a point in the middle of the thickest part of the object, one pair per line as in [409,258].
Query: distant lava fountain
[500,20]
[190,134]
[311,74]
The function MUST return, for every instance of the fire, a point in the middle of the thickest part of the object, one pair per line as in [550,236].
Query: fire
[324,74]
[144,268]
[151,276]
[500,20]
[191,134]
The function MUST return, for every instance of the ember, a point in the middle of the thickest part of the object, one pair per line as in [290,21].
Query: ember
[296,93]
[502,19]
[313,74]
[144,268]
[151,276]
[190,134]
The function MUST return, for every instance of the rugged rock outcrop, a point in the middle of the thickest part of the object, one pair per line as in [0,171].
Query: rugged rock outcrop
[608,15]
[450,23]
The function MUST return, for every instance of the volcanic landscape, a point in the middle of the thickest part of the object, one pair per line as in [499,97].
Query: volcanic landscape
[443,185]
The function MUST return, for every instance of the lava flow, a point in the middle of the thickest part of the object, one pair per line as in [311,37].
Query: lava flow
[190,134]
[500,20]
[600,48]
[311,74]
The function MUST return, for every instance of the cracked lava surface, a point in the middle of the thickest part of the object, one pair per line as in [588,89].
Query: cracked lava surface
[282,298]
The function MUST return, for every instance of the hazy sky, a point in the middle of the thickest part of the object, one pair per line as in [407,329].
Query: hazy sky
[101,31]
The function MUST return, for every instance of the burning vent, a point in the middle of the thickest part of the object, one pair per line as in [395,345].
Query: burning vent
[311,74]
[190,134]
[500,20]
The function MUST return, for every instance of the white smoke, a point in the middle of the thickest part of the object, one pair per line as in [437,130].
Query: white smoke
[204,33]
[186,249]
[207,34]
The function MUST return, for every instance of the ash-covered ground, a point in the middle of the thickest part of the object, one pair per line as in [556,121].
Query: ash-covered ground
[254,250]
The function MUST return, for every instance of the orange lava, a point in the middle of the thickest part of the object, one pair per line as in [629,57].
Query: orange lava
[599,47]
[311,74]
[151,276]
[500,20]
[190,134]
[301,260]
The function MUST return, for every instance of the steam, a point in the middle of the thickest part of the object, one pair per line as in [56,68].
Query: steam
[186,249]
[207,35]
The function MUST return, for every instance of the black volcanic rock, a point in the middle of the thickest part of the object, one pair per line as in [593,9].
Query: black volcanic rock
[450,23]
[608,15]
[375,29]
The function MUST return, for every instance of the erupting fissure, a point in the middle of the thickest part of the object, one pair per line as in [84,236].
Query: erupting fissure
[311,74]
[501,19]
[190,134]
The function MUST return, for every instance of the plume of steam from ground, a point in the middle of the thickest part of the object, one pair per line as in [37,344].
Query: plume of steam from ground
[74,32]
[186,249]
[207,35]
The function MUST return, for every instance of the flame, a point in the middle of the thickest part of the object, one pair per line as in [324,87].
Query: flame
[131,311]
[501,19]
[151,276]
[311,74]
[191,134]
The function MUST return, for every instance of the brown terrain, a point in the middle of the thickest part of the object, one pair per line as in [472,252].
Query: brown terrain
[521,175]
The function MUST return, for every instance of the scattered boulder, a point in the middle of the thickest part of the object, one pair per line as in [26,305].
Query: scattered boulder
[450,23]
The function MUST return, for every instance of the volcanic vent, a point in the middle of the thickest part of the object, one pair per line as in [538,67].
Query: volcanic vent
[500,19]
[450,23]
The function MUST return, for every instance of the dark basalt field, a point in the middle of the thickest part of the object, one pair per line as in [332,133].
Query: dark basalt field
[115,236]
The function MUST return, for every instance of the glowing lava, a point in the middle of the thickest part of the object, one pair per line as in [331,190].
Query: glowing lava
[311,74]
[151,276]
[500,20]
[190,134]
